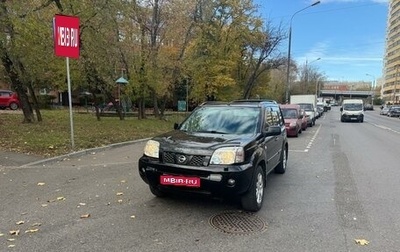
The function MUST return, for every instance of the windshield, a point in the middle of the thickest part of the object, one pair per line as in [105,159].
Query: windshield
[353,106]
[223,120]
[306,106]
[289,113]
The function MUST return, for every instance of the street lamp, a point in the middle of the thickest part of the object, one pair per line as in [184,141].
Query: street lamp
[289,48]
[317,87]
[372,84]
[307,70]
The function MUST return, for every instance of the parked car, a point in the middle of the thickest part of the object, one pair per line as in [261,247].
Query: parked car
[384,110]
[221,150]
[293,119]
[304,119]
[9,99]
[394,111]
[320,110]
[368,107]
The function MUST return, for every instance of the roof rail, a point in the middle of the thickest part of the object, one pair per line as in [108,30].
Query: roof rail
[253,101]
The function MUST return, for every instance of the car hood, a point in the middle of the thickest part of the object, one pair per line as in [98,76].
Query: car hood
[290,120]
[190,142]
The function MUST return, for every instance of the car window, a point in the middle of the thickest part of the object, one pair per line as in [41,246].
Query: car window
[223,120]
[5,94]
[353,106]
[277,116]
[289,113]
[268,117]
[306,106]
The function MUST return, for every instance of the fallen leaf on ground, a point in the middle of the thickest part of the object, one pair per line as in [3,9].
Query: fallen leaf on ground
[82,204]
[60,198]
[14,232]
[120,201]
[11,239]
[11,246]
[20,222]
[44,205]
[37,224]
[133,217]
[123,181]
[361,242]
[85,216]
[1,234]
[32,230]
[41,184]
[120,193]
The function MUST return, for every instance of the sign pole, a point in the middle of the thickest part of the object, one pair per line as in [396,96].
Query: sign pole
[70,105]
[66,44]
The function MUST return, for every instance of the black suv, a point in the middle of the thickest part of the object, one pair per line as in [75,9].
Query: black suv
[220,149]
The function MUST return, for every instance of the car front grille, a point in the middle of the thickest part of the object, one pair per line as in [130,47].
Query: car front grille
[182,159]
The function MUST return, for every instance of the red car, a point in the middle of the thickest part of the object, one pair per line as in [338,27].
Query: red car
[304,119]
[9,99]
[293,119]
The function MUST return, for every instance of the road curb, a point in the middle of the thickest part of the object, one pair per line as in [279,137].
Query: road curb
[82,153]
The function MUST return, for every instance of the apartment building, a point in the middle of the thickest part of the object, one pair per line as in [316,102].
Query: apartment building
[391,86]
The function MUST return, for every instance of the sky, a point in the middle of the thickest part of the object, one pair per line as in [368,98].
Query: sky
[347,35]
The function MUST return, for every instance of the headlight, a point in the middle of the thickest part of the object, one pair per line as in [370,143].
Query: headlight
[152,149]
[228,155]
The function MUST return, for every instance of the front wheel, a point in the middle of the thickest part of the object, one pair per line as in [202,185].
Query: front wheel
[252,200]
[13,106]
[281,167]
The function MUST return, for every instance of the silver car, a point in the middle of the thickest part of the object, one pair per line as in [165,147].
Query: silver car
[384,111]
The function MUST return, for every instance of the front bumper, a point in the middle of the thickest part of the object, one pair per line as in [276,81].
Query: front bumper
[213,179]
[347,117]
[291,131]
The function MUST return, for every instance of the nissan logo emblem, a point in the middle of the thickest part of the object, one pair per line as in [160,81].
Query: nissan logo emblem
[181,159]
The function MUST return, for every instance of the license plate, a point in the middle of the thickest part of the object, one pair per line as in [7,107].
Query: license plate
[179,181]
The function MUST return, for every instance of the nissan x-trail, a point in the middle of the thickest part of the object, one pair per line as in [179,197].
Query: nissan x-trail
[223,150]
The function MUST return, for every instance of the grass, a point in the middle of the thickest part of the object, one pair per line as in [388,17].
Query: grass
[52,136]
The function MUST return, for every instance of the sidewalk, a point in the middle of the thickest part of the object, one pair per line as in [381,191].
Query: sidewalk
[111,154]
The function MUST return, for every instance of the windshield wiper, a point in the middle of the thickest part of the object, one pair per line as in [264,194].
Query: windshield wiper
[212,131]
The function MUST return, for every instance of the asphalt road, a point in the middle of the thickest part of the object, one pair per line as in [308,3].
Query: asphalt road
[341,185]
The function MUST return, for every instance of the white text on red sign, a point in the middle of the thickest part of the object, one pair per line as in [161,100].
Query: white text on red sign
[68,37]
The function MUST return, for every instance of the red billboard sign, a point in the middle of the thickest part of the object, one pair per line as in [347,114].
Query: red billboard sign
[66,36]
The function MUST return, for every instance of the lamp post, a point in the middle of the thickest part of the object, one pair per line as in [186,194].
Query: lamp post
[307,64]
[317,88]
[372,85]
[289,48]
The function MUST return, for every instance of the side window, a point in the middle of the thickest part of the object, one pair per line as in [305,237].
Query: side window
[277,116]
[268,117]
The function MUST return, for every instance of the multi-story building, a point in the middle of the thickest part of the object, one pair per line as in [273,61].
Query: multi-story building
[391,86]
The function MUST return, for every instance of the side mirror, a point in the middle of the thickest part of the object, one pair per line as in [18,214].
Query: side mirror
[176,126]
[341,109]
[273,131]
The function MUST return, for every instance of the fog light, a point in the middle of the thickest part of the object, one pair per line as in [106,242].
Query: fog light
[215,177]
[231,182]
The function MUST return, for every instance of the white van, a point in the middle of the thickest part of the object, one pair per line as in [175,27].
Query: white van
[352,110]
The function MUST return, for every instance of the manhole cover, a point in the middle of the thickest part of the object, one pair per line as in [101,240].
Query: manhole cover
[238,223]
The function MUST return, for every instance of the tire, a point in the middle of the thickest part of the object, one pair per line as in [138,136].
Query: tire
[157,192]
[13,106]
[281,167]
[252,200]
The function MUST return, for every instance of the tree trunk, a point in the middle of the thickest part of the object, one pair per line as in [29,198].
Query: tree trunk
[35,103]
[18,86]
